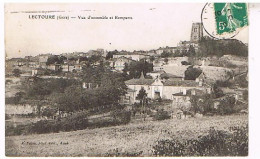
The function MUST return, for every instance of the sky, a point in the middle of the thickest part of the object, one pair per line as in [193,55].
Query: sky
[153,25]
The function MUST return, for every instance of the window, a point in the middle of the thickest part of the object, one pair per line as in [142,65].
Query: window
[195,29]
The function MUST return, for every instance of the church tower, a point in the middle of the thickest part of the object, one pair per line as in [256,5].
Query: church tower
[196,32]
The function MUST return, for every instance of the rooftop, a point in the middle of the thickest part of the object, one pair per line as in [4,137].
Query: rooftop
[185,83]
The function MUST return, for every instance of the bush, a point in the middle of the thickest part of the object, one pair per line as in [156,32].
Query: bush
[16,72]
[215,143]
[44,126]
[227,106]
[12,100]
[77,121]
[7,117]
[18,130]
[161,115]
[121,116]
[223,83]
[192,73]
[185,63]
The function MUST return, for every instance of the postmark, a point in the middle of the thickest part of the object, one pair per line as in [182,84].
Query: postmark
[224,20]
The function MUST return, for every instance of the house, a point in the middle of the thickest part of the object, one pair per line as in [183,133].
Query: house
[54,67]
[183,98]
[43,60]
[119,63]
[38,71]
[136,56]
[166,49]
[158,88]
[71,66]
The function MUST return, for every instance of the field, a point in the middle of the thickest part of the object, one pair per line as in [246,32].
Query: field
[130,139]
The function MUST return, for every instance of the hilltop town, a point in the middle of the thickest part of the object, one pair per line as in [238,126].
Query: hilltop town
[202,78]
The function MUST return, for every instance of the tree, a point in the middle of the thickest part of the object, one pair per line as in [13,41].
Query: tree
[110,54]
[217,91]
[136,67]
[125,72]
[201,104]
[177,53]
[185,63]
[71,100]
[165,54]
[192,73]
[227,106]
[17,72]
[141,95]
[152,58]
[43,87]
[191,51]
[195,106]
[212,47]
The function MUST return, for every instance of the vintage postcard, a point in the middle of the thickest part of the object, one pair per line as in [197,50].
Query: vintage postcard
[126,79]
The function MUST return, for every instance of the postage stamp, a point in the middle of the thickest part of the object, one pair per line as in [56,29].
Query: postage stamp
[224,20]
[230,16]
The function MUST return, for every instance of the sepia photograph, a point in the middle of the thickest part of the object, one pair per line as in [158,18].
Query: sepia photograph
[126,79]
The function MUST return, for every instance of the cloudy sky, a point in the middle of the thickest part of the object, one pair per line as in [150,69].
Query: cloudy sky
[153,25]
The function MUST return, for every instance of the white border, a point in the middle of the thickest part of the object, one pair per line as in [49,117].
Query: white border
[254,73]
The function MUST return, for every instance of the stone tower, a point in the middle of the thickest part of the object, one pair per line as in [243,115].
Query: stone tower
[196,32]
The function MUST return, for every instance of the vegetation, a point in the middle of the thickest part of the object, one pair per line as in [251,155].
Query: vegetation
[42,88]
[141,95]
[161,115]
[226,106]
[166,54]
[110,54]
[245,95]
[76,121]
[185,63]
[191,52]
[215,143]
[135,68]
[17,72]
[77,98]
[205,105]
[212,47]
[16,99]
[192,73]
[55,59]
[129,139]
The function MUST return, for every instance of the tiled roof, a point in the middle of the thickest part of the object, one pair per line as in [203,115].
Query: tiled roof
[184,83]
[158,71]
[139,82]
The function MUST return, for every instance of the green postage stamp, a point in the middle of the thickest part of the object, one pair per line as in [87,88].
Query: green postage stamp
[230,17]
